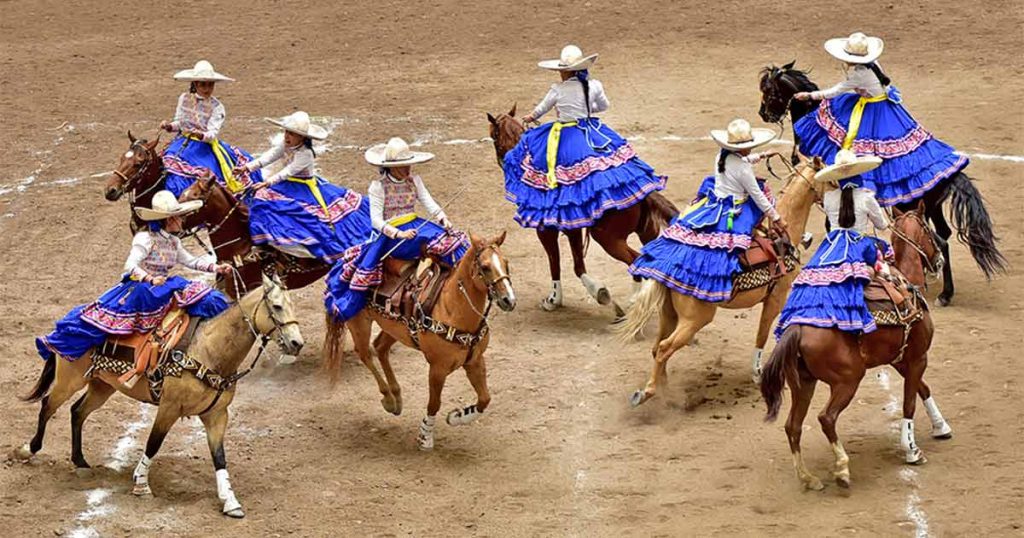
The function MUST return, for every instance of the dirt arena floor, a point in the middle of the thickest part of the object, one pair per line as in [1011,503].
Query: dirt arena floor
[559,452]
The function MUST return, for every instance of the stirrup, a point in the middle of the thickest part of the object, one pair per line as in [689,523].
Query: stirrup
[424,265]
[129,379]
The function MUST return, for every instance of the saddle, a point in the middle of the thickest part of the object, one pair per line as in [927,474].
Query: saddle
[404,294]
[769,257]
[893,300]
[145,351]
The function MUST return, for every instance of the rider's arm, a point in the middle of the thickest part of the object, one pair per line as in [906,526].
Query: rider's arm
[141,244]
[546,104]
[744,173]
[848,85]
[302,160]
[179,113]
[434,211]
[215,123]
[269,156]
[376,195]
[192,262]
[598,99]
[874,211]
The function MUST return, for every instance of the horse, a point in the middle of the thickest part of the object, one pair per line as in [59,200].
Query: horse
[683,316]
[139,173]
[453,335]
[219,346]
[970,216]
[917,248]
[806,354]
[646,219]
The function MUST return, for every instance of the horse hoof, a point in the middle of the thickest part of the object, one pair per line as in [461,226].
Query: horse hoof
[945,301]
[604,297]
[426,445]
[917,458]
[142,490]
[236,513]
[944,432]
[549,306]
[620,313]
[391,406]
[83,472]
[843,481]
[814,484]
[23,453]
[287,359]
[638,398]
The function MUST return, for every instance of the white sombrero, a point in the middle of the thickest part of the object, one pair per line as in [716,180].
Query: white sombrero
[856,49]
[847,164]
[165,205]
[395,153]
[203,71]
[739,136]
[298,123]
[572,59]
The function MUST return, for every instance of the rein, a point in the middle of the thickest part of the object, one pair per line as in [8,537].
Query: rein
[931,267]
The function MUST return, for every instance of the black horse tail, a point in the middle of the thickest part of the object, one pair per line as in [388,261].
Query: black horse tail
[784,357]
[45,380]
[974,225]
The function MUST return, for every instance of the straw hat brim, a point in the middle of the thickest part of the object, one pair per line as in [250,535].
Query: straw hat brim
[760,137]
[375,156]
[315,131]
[837,47]
[183,208]
[556,65]
[190,75]
[837,172]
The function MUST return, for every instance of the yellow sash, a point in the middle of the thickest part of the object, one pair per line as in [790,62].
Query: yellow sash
[224,161]
[313,188]
[402,219]
[554,136]
[695,206]
[858,111]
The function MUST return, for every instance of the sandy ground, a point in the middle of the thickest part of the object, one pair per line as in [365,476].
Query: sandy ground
[559,453]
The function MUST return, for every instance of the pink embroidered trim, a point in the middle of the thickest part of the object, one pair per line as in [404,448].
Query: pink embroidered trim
[339,208]
[853,325]
[573,174]
[705,295]
[927,186]
[886,149]
[596,214]
[722,240]
[823,276]
[123,323]
[448,243]
[192,293]
[178,166]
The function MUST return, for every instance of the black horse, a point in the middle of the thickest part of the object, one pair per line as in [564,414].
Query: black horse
[971,219]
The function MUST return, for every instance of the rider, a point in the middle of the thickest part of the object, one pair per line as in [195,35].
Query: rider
[865,114]
[829,291]
[146,292]
[565,174]
[295,210]
[398,231]
[698,254]
[197,152]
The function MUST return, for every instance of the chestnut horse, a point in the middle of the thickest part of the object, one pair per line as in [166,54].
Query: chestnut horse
[970,217]
[140,174]
[683,316]
[611,231]
[806,354]
[453,335]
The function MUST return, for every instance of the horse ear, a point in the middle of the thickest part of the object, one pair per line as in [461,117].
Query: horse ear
[267,282]
[896,212]
[277,281]
[152,145]
[500,238]
[513,111]
[131,138]
[789,65]
[920,206]
[491,119]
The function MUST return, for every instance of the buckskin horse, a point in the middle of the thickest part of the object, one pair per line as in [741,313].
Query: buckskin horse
[611,231]
[970,217]
[806,354]
[198,382]
[683,316]
[452,334]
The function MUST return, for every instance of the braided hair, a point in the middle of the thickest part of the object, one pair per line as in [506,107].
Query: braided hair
[308,142]
[192,87]
[847,215]
[882,77]
[722,154]
[583,75]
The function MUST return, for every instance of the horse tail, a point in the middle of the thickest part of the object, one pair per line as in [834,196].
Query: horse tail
[652,296]
[662,209]
[974,226]
[783,360]
[334,348]
[46,378]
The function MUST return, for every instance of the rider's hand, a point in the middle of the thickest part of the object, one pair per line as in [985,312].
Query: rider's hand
[239,170]
[780,225]
[802,96]
[258,186]
[447,224]
[159,280]
[223,269]
[406,234]
[166,125]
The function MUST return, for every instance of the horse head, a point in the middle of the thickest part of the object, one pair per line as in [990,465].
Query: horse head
[276,314]
[506,131]
[917,248]
[778,85]
[492,270]
[138,169]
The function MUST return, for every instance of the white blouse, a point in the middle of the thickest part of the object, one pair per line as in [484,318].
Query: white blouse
[738,180]
[865,207]
[299,162]
[199,114]
[376,194]
[143,245]
[860,79]
[567,98]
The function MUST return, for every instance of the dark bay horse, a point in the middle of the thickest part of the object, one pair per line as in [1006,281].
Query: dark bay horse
[970,217]
[611,231]
[805,355]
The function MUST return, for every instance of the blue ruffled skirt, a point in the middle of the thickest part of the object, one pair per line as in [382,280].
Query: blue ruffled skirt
[913,160]
[288,214]
[128,307]
[590,181]
[187,160]
[829,291]
[698,254]
[362,267]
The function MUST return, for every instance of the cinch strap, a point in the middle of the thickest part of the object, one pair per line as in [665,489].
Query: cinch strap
[855,116]
[554,136]
[313,188]
[225,162]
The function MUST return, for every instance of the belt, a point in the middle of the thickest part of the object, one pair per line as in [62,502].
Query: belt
[554,136]
[855,117]
[402,219]
[313,188]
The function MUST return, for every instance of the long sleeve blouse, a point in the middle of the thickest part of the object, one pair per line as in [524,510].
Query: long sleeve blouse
[299,162]
[381,210]
[567,99]
[860,79]
[865,208]
[154,254]
[738,180]
[199,115]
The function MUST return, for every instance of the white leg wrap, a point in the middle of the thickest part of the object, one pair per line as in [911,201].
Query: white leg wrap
[224,492]
[940,428]
[426,437]
[595,288]
[908,442]
[755,365]
[554,299]
[461,417]
[140,477]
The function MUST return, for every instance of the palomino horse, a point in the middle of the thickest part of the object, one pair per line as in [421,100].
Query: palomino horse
[611,231]
[970,217]
[806,354]
[683,316]
[219,346]
[453,335]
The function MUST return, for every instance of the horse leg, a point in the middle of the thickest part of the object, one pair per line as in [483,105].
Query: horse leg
[689,322]
[382,345]
[803,392]
[594,287]
[614,243]
[770,309]
[912,372]
[165,418]
[842,392]
[476,372]
[943,230]
[360,327]
[549,240]
[940,428]
[66,383]
[215,423]
[437,376]
[94,398]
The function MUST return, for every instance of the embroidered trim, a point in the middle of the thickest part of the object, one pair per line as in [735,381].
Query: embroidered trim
[339,208]
[448,243]
[849,326]
[706,295]
[927,186]
[597,213]
[574,173]
[174,164]
[823,276]
[192,293]
[886,149]
[719,240]
[123,322]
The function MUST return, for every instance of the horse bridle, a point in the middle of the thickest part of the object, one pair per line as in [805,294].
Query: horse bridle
[490,284]
[129,181]
[933,264]
[207,192]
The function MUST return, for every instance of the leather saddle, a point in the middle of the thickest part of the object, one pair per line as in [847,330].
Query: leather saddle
[767,249]
[404,294]
[174,333]
[895,296]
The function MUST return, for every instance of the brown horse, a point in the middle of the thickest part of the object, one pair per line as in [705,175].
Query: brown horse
[453,335]
[683,316]
[140,174]
[611,231]
[918,250]
[806,354]
[220,345]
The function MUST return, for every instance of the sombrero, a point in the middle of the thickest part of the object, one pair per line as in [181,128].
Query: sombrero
[203,71]
[572,59]
[847,164]
[298,123]
[395,153]
[166,205]
[739,136]
[856,49]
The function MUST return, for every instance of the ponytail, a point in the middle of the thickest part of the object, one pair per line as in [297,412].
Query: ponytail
[722,154]
[847,215]
[583,77]
[882,78]
[308,142]
[191,87]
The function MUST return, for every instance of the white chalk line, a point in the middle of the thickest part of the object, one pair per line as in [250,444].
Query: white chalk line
[913,510]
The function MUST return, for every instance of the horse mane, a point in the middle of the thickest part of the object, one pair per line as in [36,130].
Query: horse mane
[800,77]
